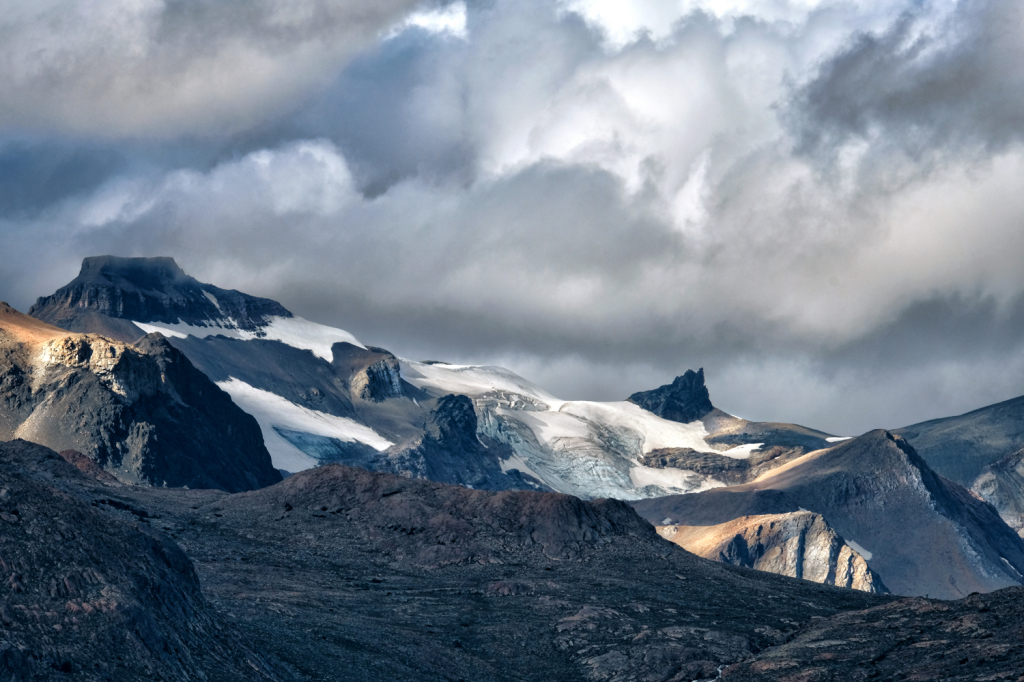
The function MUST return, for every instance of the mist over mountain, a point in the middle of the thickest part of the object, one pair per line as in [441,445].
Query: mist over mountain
[512,340]
[595,196]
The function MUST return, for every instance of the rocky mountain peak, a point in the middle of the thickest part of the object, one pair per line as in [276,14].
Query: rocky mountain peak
[142,412]
[685,400]
[143,273]
[453,422]
[149,290]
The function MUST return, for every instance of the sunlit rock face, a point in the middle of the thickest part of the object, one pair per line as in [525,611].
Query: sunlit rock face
[797,544]
[920,533]
[142,412]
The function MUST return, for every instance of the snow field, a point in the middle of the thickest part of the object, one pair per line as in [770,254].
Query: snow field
[272,410]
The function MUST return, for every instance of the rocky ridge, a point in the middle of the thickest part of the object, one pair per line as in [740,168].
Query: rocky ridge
[92,596]
[147,289]
[142,412]
[798,544]
[923,534]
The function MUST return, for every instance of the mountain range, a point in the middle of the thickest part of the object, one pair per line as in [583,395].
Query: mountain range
[150,382]
[321,396]
[181,405]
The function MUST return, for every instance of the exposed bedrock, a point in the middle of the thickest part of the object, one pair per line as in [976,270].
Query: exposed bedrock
[451,451]
[147,290]
[141,412]
[373,374]
[798,544]
[685,400]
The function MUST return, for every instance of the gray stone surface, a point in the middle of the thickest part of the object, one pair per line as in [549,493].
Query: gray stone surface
[142,412]
[92,594]
[926,535]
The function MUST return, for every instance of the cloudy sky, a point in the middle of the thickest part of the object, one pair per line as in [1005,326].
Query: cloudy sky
[820,202]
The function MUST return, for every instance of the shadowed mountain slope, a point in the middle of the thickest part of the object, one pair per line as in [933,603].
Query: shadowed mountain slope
[1002,485]
[921,533]
[142,412]
[89,596]
[972,448]
[389,578]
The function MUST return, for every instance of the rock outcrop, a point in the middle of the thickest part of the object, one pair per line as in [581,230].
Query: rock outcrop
[976,450]
[925,535]
[148,289]
[685,400]
[451,451]
[799,544]
[1001,484]
[388,578]
[142,412]
[373,374]
[92,597]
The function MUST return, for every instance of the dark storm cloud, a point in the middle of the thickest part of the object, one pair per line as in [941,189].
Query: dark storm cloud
[822,210]
[388,131]
[928,87]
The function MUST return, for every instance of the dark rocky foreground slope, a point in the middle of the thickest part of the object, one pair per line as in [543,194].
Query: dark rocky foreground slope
[338,573]
[89,596]
[341,574]
[923,534]
[921,640]
[142,412]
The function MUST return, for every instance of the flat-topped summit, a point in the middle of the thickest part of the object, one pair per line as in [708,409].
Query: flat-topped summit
[143,273]
[685,400]
[149,290]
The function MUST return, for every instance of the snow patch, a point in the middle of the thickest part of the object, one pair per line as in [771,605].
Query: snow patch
[300,333]
[294,331]
[860,550]
[212,299]
[741,451]
[838,439]
[473,381]
[517,462]
[675,480]
[272,410]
